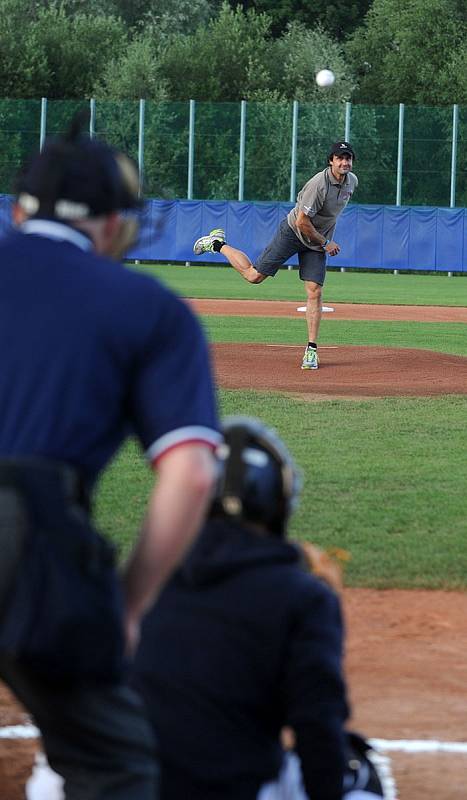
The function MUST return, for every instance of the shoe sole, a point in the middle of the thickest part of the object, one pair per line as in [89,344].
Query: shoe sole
[302,367]
[198,248]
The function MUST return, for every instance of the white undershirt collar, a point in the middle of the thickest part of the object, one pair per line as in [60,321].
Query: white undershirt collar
[58,231]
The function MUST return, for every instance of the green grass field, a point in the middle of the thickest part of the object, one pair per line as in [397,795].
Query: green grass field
[386,478]
[440,337]
[349,287]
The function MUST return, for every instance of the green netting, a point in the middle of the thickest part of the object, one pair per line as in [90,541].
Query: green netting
[318,127]
[216,151]
[162,148]
[118,123]
[427,156]
[461,171]
[19,136]
[374,135]
[60,112]
[166,135]
[268,151]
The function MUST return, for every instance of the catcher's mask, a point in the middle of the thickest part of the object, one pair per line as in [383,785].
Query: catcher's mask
[361,772]
[75,178]
[258,480]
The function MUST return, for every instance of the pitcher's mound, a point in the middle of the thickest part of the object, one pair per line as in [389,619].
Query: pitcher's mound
[344,371]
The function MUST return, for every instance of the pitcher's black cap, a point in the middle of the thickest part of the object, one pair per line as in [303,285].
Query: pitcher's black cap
[339,148]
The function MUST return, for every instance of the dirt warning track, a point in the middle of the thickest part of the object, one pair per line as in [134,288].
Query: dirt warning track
[349,311]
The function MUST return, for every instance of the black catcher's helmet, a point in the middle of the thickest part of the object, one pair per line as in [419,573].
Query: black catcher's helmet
[258,481]
[362,773]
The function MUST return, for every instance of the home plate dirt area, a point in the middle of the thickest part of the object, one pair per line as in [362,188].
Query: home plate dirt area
[345,371]
[406,651]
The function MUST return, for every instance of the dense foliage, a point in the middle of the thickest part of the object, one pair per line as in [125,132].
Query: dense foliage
[384,51]
[411,52]
[219,52]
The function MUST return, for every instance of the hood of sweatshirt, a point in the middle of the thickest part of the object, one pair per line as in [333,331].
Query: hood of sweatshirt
[224,548]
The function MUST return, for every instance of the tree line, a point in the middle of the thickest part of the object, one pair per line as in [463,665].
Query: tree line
[382,52]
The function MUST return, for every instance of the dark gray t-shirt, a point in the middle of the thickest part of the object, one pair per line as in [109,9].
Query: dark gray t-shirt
[322,199]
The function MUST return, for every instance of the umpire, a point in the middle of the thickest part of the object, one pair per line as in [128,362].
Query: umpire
[90,353]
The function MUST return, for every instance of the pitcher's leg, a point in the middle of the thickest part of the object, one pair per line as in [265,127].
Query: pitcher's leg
[314,296]
[284,245]
[242,264]
[312,273]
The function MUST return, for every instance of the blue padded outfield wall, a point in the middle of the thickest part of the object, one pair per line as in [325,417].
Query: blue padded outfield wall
[371,237]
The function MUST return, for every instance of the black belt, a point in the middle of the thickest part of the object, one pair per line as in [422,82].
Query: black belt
[55,503]
[25,471]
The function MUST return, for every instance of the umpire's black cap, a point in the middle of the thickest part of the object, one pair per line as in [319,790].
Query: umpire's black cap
[75,177]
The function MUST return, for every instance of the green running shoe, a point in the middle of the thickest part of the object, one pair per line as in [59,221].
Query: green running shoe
[205,243]
[310,358]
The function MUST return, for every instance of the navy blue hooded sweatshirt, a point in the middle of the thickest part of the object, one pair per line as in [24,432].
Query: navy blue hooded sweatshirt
[242,641]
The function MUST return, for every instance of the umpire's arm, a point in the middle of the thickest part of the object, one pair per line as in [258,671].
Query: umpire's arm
[176,510]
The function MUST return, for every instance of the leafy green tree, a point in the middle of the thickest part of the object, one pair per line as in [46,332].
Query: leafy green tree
[133,72]
[220,62]
[100,8]
[235,58]
[296,58]
[23,65]
[411,51]
[338,17]
[76,49]
[49,50]
[169,15]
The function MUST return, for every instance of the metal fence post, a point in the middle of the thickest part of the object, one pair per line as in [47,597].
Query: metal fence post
[142,106]
[348,111]
[455,132]
[43,129]
[191,155]
[293,155]
[92,118]
[400,153]
[241,159]
[191,150]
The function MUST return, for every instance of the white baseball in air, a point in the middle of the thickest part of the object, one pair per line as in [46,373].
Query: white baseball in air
[325,77]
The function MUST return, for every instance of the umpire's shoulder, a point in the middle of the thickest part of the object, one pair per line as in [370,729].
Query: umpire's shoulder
[146,290]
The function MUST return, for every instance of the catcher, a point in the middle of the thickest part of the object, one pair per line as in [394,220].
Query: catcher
[243,641]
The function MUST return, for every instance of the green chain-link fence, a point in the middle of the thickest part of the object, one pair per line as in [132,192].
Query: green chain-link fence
[257,151]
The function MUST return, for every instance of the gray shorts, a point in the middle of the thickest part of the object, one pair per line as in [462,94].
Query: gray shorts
[312,263]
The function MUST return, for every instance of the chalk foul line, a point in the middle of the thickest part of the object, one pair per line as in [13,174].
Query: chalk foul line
[419,746]
[29,731]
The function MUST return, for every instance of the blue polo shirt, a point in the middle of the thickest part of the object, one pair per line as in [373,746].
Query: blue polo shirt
[91,352]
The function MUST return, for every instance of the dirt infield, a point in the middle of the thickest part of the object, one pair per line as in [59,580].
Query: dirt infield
[354,372]
[406,651]
[405,665]
[345,371]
